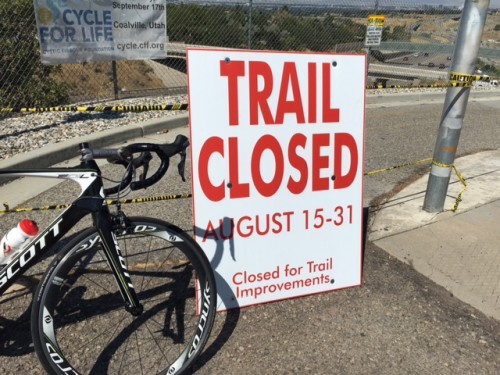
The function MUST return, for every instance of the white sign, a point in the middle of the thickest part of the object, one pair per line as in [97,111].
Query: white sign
[373,39]
[277,165]
[71,31]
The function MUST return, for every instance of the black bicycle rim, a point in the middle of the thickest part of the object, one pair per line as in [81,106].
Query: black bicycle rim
[82,326]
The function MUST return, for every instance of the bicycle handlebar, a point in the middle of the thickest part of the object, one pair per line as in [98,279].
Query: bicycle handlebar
[124,156]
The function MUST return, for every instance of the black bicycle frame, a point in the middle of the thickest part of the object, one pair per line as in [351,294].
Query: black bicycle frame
[90,201]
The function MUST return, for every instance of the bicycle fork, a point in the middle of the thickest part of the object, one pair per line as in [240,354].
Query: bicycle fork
[117,263]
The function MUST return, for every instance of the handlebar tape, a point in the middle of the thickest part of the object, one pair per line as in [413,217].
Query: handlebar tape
[123,154]
[164,152]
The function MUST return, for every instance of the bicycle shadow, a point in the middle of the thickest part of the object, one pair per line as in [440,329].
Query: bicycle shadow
[15,335]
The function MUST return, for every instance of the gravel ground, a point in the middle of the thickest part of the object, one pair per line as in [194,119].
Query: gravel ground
[398,322]
[30,131]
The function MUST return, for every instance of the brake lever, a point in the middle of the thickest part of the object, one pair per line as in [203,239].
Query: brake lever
[144,173]
[143,161]
[182,165]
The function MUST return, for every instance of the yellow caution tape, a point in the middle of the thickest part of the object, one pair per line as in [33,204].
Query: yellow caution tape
[455,80]
[435,162]
[465,80]
[108,202]
[115,108]
[397,166]
[460,178]
[149,199]
[187,195]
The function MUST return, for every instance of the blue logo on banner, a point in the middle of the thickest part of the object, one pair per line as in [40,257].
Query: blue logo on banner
[62,24]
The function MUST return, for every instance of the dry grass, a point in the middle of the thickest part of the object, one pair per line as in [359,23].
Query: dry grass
[95,80]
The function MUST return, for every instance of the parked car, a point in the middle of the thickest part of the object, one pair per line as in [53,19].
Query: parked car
[442,66]
[431,65]
[481,84]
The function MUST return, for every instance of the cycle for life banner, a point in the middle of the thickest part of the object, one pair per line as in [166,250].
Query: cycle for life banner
[277,143]
[74,31]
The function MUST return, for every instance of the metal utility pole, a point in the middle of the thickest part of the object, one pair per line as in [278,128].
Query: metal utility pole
[461,73]
[115,78]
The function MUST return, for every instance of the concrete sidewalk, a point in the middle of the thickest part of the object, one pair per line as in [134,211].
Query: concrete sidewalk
[458,250]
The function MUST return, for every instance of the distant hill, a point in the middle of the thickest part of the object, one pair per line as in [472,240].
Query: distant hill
[494,4]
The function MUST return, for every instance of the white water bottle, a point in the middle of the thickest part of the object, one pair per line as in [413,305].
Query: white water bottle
[14,240]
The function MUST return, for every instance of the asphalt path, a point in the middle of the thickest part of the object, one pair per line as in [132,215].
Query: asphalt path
[398,322]
[402,71]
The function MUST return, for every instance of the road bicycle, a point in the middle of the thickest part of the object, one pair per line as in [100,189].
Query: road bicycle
[126,295]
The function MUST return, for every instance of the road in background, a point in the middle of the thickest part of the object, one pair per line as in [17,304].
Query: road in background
[403,128]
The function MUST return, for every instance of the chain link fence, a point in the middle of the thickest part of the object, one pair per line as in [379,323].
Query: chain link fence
[414,36]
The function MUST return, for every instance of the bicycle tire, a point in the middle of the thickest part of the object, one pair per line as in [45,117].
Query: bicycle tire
[79,323]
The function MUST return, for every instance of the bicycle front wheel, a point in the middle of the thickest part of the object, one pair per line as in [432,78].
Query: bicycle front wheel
[79,322]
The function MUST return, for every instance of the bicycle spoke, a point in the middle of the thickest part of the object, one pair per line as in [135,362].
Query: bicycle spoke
[82,296]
